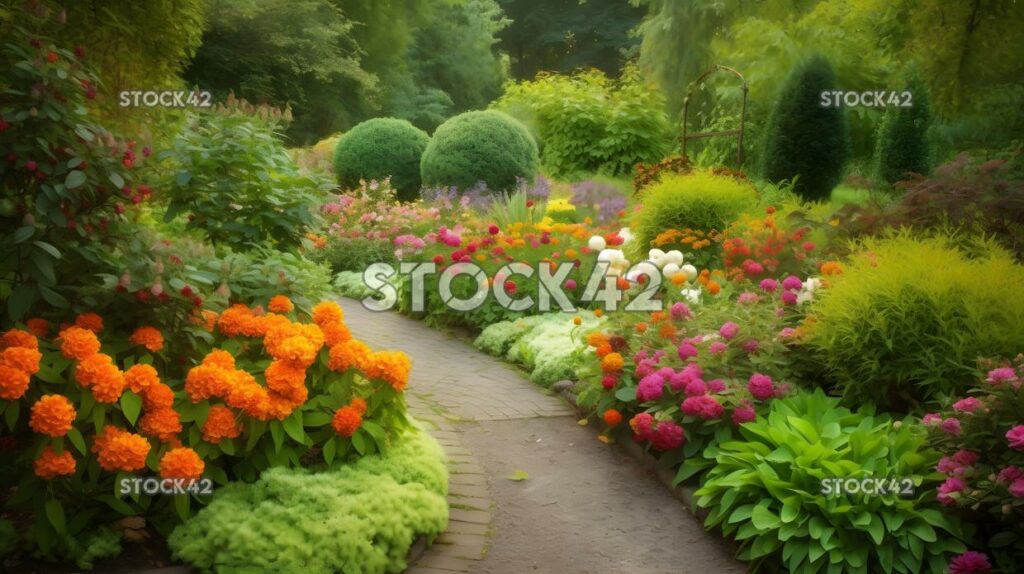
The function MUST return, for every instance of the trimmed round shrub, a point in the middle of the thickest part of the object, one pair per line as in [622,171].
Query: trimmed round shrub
[908,319]
[483,146]
[379,148]
[806,140]
[700,200]
[902,145]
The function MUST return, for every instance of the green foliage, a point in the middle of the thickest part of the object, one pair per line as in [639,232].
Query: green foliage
[351,284]
[902,144]
[547,345]
[235,180]
[701,200]
[767,491]
[380,148]
[486,146]
[301,54]
[63,178]
[589,123]
[361,517]
[909,317]
[255,275]
[354,253]
[806,141]
[516,207]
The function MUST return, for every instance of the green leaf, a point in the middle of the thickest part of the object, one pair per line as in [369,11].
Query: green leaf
[76,439]
[626,394]
[359,442]
[764,519]
[181,505]
[74,179]
[47,248]
[11,414]
[131,405]
[55,514]
[1001,539]
[117,180]
[277,434]
[924,531]
[329,450]
[21,301]
[293,426]
[23,233]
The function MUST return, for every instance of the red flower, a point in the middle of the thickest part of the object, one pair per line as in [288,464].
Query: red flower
[510,287]
[52,57]
[493,229]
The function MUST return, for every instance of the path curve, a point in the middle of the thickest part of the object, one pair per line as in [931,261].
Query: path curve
[583,508]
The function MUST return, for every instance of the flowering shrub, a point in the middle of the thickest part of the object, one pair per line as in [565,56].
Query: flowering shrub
[766,491]
[758,247]
[85,408]
[982,438]
[605,201]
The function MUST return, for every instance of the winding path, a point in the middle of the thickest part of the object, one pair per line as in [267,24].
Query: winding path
[581,507]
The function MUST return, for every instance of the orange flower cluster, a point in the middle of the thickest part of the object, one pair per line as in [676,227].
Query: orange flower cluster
[329,317]
[183,463]
[19,360]
[90,321]
[119,450]
[294,343]
[52,415]
[140,376]
[280,304]
[99,374]
[220,424]
[349,418]
[49,465]
[241,320]
[78,343]
[348,355]
[148,337]
[695,239]
[162,424]
[612,363]
[830,268]
[390,366]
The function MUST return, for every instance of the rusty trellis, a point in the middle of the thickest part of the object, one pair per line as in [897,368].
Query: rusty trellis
[743,113]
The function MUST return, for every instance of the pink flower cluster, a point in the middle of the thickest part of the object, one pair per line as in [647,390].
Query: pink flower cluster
[664,435]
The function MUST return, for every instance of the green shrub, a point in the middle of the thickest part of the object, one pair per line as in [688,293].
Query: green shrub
[359,517]
[354,253]
[908,319]
[591,124]
[700,200]
[902,144]
[486,146]
[806,140]
[380,148]
[768,492]
[547,345]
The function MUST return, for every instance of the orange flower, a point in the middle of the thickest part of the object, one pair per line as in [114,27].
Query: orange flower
[22,358]
[335,333]
[612,417]
[570,253]
[18,338]
[52,415]
[596,339]
[296,351]
[294,342]
[359,404]
[13,382]
[209,319]
[119,450]
[50,465]
[148,337]
[90,321]
[714,287]
[208,380]
[78,343]
[157,396]
[390,366]
[831,268]
[248,396]
[603,350]
[140,376]
[611,363]
[161,424]
[667,331]
[220,424]
[346,421]
[640,327]
[348,354]
[284,378]
[577,320]
[99,373]
[327,312]
[38,327]
[598,313]
[279,407]
[220,358]
[183,463]
[280,304]
[678,279]
[241,320]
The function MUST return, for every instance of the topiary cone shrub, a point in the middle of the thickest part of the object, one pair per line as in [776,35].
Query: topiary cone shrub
[805,140]
[380,148]
[902,144]
[482,146]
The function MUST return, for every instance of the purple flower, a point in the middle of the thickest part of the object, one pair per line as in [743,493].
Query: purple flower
[729,330]
[761,386]
[970,562]
[792,283]
[1015,437]
[607,198]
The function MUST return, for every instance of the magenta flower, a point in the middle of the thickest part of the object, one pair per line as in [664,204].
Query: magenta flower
[667,436]
[950,426]
[686,351]
[716,385]
[947,489]
[966,457]
[751,346]
[704,406]
[570,284]
[717,348]
[1001,375]
[748,297]
[931,419]
[650,388]
[792,283]
[729,330]
[769,285]
[761,386]
[680,310]
[1015,437]
[787,332]
[642,424]
[743,414]
[970,562]
[695,388]
[493,229]
[789,297]
[1017,488]
[1010,474]
[752,268]
[968,405]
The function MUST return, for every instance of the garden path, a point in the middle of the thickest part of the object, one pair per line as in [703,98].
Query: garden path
[580,507]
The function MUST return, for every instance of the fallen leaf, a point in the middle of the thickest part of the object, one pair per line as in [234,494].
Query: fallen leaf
[519,475]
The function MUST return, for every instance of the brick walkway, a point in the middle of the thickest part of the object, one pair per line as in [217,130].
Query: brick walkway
[454,389]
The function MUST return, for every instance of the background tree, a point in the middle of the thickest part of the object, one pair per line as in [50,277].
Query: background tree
[902,144]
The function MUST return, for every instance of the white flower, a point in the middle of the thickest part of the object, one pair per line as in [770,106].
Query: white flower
[655,254]
[626,235]
[596,243]
[670,269]
[804,297]
[643,268]
[690,271]
[611,256]
[675,256]
[692,296]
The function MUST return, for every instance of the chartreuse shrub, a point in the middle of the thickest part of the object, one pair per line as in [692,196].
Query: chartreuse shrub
[547,345]
[487,146]
[590,123]
[908,319]
[767,491]
[359,518]
[805,140]
[379,148]
[902,144]
[701,201]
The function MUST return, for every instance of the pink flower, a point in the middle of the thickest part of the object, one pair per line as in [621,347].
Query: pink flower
[952,486]
[968,405]
[931,419]
[686,351]
[570,284]
[769,285]
[752,268]
[493,229]
[667,436]
[787,332]
[1015,437]
[642,424]
[748,297]
[729,330]
[751,346]
[1001,375]
[950,426]
[717,348]
[789,297]
[761,386]
[695,388]
[704,406]
[808,246]
[743,414]
[970,562]
[966,457]
[680,311]
[1017,488]
[650,388]
[1010,474]
[716,385]
[792,283]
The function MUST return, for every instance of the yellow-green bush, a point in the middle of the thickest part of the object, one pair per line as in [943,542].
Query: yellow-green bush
[359,518]
[909,317]
[700,200]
